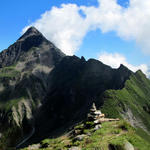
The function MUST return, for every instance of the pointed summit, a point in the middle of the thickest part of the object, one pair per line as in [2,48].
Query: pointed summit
[31,40]
[123,68]
[32,31]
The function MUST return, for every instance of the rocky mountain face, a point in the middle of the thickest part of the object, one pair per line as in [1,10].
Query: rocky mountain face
[24,70]
[43,92]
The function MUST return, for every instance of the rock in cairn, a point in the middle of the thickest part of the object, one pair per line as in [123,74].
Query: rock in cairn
[94,116]
[97,117]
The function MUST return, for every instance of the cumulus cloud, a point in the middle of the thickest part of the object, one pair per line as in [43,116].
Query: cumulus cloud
[63,26]
[66,27]
[115,59]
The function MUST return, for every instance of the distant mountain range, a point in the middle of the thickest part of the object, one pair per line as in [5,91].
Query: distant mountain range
[43,92]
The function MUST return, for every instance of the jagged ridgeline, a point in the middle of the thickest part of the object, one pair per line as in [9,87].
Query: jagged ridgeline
[43,92]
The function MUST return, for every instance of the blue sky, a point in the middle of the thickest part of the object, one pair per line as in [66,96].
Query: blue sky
[16,14]
[100,39]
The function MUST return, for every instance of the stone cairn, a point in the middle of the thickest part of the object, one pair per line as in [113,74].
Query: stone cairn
[98,117]
[94,120]
[95,114]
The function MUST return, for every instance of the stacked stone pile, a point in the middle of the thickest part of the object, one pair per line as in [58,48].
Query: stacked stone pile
[95,114]
[98,117]
[94,120]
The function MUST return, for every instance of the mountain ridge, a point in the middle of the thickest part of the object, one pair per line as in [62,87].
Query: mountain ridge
[42,88]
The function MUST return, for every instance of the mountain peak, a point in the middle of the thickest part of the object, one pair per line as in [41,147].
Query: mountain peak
[31,40]
[122,67]
[32,31]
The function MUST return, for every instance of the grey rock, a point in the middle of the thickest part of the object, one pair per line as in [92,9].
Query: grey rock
[88,134]
[80,137]
[74,148]
[97,127]
[34,147]
[128,146]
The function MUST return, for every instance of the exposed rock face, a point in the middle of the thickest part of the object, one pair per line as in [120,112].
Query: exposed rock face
[24,69]
[32,46]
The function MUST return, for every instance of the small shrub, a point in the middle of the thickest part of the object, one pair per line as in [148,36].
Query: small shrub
[115,147]
[45,143]
[76,143]
[80,126]
[88,141]
[89,124]
[124,125]
[116,131]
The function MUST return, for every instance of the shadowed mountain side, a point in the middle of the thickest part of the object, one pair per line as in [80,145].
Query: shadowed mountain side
[74,85]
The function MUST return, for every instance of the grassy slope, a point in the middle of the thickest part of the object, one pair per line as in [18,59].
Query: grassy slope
[9,72]
[6,75]
[134,96]
[7,101]
[114,133]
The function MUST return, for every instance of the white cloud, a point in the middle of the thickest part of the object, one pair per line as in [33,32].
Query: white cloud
[115,59]
[66,27]
[63,26]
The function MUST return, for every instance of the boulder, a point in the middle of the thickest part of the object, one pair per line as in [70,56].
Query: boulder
[77,131]
[80,137]
[74,148]
[34,147]
[97,127]
[128,146]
